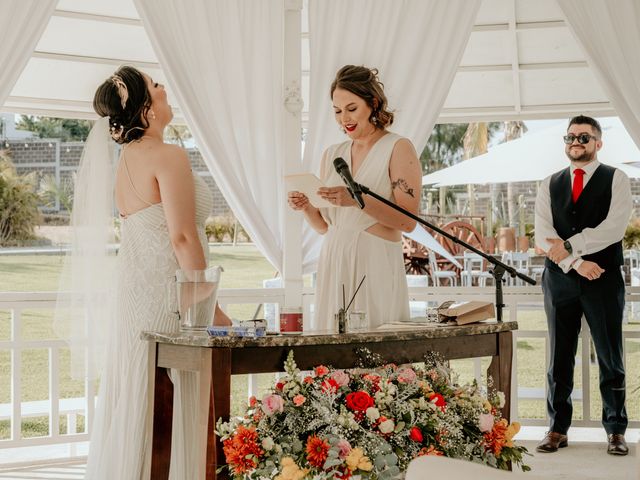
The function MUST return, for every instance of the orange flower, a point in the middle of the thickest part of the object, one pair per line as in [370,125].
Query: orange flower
[496,439]
[317,451]
[242,450]
[431,450]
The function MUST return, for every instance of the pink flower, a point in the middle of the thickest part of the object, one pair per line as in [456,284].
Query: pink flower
[272,403]
[299,400]
[485,422]
[407,375]
[344,448]
[321,371]
[340,377]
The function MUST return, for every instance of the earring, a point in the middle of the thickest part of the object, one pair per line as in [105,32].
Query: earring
[374,121]
[152,114]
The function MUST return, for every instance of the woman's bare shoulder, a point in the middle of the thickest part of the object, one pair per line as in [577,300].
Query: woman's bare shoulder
[167,152]
[403,147]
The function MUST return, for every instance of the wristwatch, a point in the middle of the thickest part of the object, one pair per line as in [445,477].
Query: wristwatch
[567,246]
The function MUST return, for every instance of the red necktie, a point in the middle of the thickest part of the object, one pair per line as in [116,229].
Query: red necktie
[577,184]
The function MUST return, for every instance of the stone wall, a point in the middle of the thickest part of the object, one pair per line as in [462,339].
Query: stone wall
[61,159]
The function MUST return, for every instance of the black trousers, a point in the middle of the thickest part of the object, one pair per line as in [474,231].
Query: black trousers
[566,298]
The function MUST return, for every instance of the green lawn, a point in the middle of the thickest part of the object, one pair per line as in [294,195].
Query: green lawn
[246,268]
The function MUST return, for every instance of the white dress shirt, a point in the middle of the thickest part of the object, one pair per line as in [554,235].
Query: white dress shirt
[590,240]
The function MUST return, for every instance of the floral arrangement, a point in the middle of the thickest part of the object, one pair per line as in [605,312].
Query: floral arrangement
[366,423]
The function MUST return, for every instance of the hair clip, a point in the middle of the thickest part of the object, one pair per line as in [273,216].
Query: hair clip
[116,133]
[123,92]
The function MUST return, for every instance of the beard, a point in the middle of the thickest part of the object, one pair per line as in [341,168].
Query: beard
[584,157]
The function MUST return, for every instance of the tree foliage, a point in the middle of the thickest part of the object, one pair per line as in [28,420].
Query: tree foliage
[66,129]
[18,204]
[444,148]
[446,145]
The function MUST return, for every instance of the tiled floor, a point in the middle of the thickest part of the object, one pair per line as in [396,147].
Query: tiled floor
[579,461]
[68,471]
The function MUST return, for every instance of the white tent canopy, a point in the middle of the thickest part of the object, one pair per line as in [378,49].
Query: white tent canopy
[536,155]
[521,61]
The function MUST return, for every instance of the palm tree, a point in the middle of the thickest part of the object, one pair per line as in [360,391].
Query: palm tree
[475,143]
[512,130]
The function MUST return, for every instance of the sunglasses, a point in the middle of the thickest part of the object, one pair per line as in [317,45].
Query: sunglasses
[583,138]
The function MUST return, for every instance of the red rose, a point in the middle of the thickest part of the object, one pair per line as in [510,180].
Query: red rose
[438,400]
[359,401]
[415,434]
[279,386]
[330,386]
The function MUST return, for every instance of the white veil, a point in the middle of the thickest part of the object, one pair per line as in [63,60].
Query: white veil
[87,290]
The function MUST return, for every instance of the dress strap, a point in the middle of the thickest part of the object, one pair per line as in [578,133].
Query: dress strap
[133,187]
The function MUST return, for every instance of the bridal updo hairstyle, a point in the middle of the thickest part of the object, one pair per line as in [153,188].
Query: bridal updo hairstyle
[125,99]
[364,83]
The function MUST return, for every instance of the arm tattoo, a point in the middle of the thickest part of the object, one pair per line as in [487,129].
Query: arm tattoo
[403,186]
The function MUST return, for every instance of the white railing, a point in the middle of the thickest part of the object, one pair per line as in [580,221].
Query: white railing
[516,298]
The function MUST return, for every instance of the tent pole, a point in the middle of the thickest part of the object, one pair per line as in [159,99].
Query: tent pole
[292,111]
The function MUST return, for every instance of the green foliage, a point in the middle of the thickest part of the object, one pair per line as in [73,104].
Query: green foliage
[221,229]
[177,134]
[18,204]
[444,148]
[66,129]
[50,191]
[446,145]
[631,239]
[529,231]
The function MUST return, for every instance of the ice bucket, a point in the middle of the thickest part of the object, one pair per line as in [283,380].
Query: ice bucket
[196,295]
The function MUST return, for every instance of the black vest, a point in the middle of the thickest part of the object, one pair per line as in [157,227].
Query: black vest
[588,212]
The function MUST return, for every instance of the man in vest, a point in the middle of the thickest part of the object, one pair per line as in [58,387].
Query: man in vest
[581,216]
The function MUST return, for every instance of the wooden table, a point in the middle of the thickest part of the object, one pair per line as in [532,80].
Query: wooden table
[217,358]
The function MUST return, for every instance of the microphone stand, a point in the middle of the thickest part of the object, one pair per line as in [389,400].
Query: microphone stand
[499,268]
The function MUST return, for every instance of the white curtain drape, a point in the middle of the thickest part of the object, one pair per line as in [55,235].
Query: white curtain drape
[224,61]
[21,25]
[416,46]
[608,32]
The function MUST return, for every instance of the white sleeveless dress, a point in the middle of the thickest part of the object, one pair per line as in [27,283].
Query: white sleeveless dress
[146,268]
[349,252]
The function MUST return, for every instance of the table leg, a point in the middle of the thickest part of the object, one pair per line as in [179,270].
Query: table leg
[500,370]
[162,414]
[219,407]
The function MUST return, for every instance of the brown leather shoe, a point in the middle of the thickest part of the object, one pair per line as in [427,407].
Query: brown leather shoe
[551,442]
[617,445]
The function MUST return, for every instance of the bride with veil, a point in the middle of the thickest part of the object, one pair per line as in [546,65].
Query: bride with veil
[162,207]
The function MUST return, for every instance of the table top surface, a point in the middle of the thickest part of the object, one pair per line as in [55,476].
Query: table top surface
[401,333]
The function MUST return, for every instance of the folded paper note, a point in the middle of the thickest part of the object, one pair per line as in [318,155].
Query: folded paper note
[308,184]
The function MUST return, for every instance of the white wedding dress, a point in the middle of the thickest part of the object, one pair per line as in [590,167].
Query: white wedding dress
[349,252]
[146,267]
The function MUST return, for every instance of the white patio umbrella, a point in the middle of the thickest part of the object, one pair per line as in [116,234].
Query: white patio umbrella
[536,155]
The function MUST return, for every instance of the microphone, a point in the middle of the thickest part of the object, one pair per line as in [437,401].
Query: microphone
[354,188]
